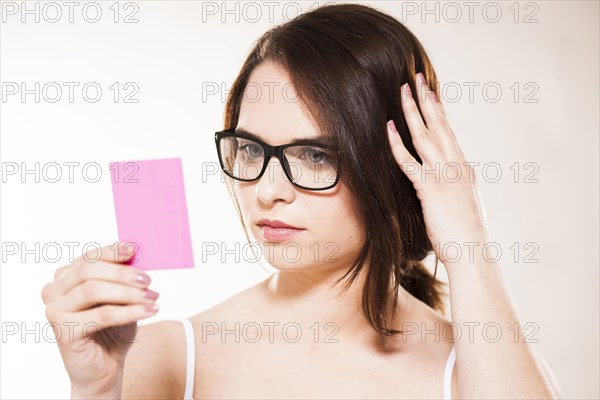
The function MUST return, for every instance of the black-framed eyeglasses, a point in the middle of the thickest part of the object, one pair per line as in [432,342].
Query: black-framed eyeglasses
[308,165]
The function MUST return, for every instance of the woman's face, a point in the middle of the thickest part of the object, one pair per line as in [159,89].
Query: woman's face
[333,229]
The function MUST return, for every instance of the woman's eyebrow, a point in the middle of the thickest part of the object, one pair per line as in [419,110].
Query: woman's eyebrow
[316,139]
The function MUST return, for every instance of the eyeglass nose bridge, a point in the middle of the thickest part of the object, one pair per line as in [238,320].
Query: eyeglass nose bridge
[276,151]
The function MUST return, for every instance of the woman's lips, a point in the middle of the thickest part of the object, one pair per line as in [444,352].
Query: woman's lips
[278,234]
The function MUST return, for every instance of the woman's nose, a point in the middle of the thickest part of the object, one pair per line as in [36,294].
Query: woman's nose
[274,184]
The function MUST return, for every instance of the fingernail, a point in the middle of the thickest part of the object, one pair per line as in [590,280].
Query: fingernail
[150,294]
[142,278]
[421,78]
[392,126]
[125,249]
[152,307]
[407,89]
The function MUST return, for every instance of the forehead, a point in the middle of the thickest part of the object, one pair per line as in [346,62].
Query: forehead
[271,110]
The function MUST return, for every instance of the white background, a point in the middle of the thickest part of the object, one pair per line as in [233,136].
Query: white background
[176,49]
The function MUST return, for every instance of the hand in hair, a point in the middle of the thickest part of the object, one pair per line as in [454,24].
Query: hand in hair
[445,183]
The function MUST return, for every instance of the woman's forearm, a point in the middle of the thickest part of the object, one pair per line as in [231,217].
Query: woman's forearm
[113,392]
[493,359]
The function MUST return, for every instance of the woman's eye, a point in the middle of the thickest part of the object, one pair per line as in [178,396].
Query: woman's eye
[251,150]
[317,156]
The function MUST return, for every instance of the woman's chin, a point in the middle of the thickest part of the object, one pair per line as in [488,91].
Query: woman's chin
[285,258]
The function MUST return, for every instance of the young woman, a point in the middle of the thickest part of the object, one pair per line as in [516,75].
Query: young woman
[331,161]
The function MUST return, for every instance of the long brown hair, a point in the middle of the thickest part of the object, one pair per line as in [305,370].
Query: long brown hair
[347,63]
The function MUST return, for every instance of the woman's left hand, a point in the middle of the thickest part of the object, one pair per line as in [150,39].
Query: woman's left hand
[445,184]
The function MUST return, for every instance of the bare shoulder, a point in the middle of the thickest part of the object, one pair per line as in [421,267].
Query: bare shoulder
[434,321]
[155,367]
[155,362]
[236,307]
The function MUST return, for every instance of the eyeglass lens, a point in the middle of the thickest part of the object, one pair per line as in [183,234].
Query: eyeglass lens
[309,166]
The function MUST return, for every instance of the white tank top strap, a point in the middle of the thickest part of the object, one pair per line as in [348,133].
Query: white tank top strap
[191,357]
[191,353]
[448,375]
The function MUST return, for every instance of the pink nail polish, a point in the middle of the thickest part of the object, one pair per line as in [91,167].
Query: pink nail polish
[125,249]
[151,308]
[421,78]
[407,89]
[141,278]
[392,126]
[150,294]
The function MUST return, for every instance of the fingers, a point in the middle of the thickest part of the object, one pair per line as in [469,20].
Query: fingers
[69,276]
[104,271]
[63,270]
[97,288]
[430,105]
[98,318]
[93,292]
[421,136]
[432,136]
[108,315]
[436,121]
[117,252]
[102,304]
[403,158]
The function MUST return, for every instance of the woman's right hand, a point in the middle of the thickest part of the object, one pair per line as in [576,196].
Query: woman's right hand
[96,305]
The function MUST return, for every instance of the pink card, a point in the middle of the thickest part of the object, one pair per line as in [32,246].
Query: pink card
[151,211]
